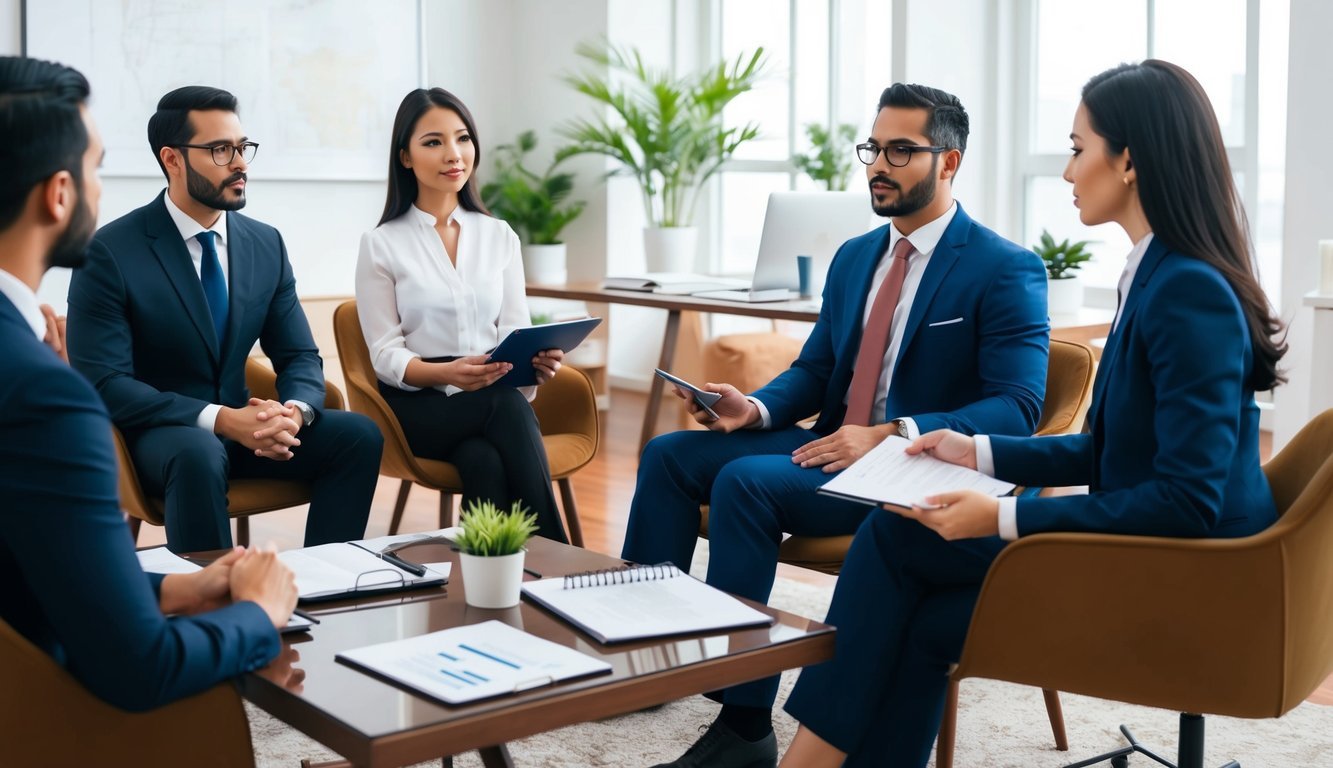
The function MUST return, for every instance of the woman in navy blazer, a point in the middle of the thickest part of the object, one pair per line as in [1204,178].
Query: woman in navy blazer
[1172,447]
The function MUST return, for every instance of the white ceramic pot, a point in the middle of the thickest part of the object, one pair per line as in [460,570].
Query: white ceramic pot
[492,582]
[1064,296]
[545,264]
[670,249]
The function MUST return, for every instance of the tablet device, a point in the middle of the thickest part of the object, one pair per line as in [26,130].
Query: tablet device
[523,344]
[702,397]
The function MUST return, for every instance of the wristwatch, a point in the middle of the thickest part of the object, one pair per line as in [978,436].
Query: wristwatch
[901,426]
[308,414]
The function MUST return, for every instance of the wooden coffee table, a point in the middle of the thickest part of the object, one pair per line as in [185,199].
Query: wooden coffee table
[373,723]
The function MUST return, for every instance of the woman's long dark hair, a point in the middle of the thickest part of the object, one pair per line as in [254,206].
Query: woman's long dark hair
[402,182]
[1163,116]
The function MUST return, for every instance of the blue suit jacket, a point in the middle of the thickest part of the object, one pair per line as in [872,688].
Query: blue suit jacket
[986,373]
[140,330]
[72,584]
[1174,442]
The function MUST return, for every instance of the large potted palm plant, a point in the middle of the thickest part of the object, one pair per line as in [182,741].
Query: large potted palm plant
[535,205]
[667,132]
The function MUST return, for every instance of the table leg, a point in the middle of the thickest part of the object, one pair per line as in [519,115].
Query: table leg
[664,361]
[496,757]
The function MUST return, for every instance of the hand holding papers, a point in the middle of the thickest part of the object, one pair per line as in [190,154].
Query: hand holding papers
[886,475]
[473,662]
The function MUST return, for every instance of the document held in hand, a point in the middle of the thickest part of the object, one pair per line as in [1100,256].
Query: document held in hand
[641,601]
[886,475]
[473,662]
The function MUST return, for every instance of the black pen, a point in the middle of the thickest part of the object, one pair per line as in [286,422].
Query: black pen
[532,573]
[412,568]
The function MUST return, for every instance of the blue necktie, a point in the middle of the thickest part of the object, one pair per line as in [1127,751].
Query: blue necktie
[215,287]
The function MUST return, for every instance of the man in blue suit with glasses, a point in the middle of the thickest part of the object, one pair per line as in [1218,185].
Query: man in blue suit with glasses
[930,321]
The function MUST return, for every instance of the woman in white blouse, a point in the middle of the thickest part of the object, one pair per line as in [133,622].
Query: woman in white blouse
[438,283]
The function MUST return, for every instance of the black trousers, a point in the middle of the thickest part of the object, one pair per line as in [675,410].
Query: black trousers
[189,469]
[492,437]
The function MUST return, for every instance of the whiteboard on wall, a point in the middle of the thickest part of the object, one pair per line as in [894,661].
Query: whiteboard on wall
[318,81]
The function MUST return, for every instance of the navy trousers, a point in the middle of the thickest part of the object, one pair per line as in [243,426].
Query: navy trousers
[755,494]
[189,469]
[902,607]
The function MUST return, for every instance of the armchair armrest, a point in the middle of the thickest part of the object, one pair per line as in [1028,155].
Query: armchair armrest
[1058,611]
[567,404]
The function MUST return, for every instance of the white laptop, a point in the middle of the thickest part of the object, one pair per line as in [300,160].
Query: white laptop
[801,223]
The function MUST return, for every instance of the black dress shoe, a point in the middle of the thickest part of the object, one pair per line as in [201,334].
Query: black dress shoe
[721,747]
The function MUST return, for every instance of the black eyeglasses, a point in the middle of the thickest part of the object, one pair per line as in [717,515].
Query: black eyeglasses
[223,154]
[898,155]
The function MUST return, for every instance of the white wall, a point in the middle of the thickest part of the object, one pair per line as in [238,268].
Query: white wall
[1309,206]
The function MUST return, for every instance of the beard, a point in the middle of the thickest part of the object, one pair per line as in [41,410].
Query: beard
[215,197]
[908,202]
[71,249]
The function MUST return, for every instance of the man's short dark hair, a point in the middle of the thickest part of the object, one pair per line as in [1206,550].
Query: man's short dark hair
[947,124]
[170,124]
[41,129]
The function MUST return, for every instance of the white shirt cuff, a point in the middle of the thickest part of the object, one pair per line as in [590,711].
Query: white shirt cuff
[765,421]
[298,404]
[985,459]
[208,417]
[912,431]
[1008,518]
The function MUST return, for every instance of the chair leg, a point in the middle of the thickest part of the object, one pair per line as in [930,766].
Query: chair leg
[1055,713]
[243,531]
[948,727]
[446,509]
[496,756]
[571,511]
[398,507]
[134,524]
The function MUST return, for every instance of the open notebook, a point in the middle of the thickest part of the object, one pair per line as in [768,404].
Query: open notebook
[331,571]
[641,601]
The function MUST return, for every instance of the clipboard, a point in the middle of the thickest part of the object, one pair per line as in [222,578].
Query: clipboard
[523,344]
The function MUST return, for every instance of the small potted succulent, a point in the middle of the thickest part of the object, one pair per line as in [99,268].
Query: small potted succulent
[1064,291]
[491,553]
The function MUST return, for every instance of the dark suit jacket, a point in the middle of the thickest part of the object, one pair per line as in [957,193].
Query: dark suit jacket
[72,584]
[986,372]
[1174,442]
[140,330]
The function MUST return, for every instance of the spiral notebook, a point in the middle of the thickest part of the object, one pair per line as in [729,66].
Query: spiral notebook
[640,602]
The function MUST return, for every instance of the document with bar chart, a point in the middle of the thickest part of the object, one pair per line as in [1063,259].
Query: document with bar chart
[473,662]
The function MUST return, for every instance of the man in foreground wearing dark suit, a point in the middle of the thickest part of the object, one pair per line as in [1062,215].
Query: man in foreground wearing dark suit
[73,586]
[163,318]
[930,321]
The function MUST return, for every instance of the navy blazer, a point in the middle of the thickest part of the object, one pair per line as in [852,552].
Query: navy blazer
[141,332]
[72,584]
[1174,443]
[973,355]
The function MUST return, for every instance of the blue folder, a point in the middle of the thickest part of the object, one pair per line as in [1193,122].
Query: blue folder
[523,344]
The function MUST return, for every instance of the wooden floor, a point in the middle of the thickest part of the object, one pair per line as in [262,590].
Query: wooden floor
[603,490]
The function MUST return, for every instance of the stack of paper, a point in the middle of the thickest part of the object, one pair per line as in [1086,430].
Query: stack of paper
[886,475]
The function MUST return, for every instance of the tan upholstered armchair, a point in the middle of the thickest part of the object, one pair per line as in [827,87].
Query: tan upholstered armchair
[48,718]
[566,409]
[1237,627]
[244,497]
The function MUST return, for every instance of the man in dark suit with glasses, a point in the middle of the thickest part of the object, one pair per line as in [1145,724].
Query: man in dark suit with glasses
[162,320]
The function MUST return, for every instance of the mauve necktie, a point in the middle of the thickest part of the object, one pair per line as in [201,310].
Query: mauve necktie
[875,339]
[215,287]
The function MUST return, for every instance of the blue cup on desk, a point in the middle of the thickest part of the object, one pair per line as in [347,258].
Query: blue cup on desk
[803,266]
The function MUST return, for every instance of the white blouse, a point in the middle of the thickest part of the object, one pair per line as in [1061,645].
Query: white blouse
[414,302]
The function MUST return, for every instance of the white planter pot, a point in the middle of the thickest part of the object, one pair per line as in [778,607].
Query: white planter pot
[1064,296]
[545,264]
[670,249]
[492,582]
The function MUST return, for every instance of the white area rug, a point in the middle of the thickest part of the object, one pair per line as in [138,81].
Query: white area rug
[999,726]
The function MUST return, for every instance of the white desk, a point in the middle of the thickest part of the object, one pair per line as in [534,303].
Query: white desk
[1321,361]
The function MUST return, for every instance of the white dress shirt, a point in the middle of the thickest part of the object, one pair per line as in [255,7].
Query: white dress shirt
[923,240]
[986,458]
[190,229]
[25,301]
[414,302]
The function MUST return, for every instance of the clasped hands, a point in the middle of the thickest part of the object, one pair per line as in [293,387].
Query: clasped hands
[266,427]
[242,574]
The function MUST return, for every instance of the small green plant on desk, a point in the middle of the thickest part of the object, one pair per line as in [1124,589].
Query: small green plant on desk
[490,532]
[1062,259]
